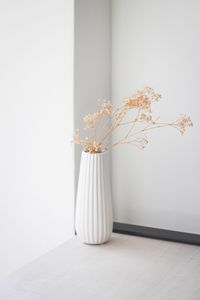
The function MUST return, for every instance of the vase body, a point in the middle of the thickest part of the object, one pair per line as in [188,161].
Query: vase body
[94,217]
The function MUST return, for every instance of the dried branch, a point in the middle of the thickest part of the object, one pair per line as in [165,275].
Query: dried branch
[140,105]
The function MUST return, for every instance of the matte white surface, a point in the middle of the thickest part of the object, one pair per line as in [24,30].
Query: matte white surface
[157,43]
[123,269]
[94,215]
[36,123]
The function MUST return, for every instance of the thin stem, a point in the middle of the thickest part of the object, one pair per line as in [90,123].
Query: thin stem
[94,136]
[106,122]
[153,127]
[133,124]
[124,140]
[113,127]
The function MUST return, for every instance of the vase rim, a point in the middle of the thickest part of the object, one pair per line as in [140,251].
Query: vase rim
[99,153]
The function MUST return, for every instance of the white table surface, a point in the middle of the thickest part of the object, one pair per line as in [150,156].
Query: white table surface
[126,268]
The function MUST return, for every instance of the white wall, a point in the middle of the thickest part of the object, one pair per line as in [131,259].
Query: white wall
[92,59]
[36,117]
[157,43]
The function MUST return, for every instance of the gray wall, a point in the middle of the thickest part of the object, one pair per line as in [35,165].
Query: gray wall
[92,59]
[157,43]
[36,117]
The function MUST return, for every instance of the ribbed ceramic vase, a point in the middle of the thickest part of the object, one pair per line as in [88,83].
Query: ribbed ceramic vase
[94,217]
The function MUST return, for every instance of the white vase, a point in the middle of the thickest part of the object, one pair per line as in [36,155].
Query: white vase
[94,217]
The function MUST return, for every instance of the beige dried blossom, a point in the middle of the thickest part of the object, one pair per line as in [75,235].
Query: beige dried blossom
[88,146]
[142,143]
[139,143]
[139,102]
[106,121]
[184,122]
[91,147]
[142,99]
[152,95]
[90,120]
[146,118]
[106,108]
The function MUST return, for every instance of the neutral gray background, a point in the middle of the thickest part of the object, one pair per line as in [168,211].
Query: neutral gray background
[92,60]
[157,43]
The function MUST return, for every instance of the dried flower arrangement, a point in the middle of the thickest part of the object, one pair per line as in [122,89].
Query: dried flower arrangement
[134,114]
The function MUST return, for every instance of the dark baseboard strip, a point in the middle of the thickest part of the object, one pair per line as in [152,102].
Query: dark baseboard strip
[157,233]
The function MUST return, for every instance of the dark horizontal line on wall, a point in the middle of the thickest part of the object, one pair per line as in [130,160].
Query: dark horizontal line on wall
[157,233]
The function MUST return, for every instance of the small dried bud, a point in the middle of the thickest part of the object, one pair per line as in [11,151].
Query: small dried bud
[184,122]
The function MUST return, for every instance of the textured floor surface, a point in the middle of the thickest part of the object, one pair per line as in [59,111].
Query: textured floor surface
[126,268]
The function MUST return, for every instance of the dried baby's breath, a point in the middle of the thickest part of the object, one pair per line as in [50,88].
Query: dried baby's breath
[144,117]
[106,108]
[105,121]
[184,122]
[142,99]
[91,120]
